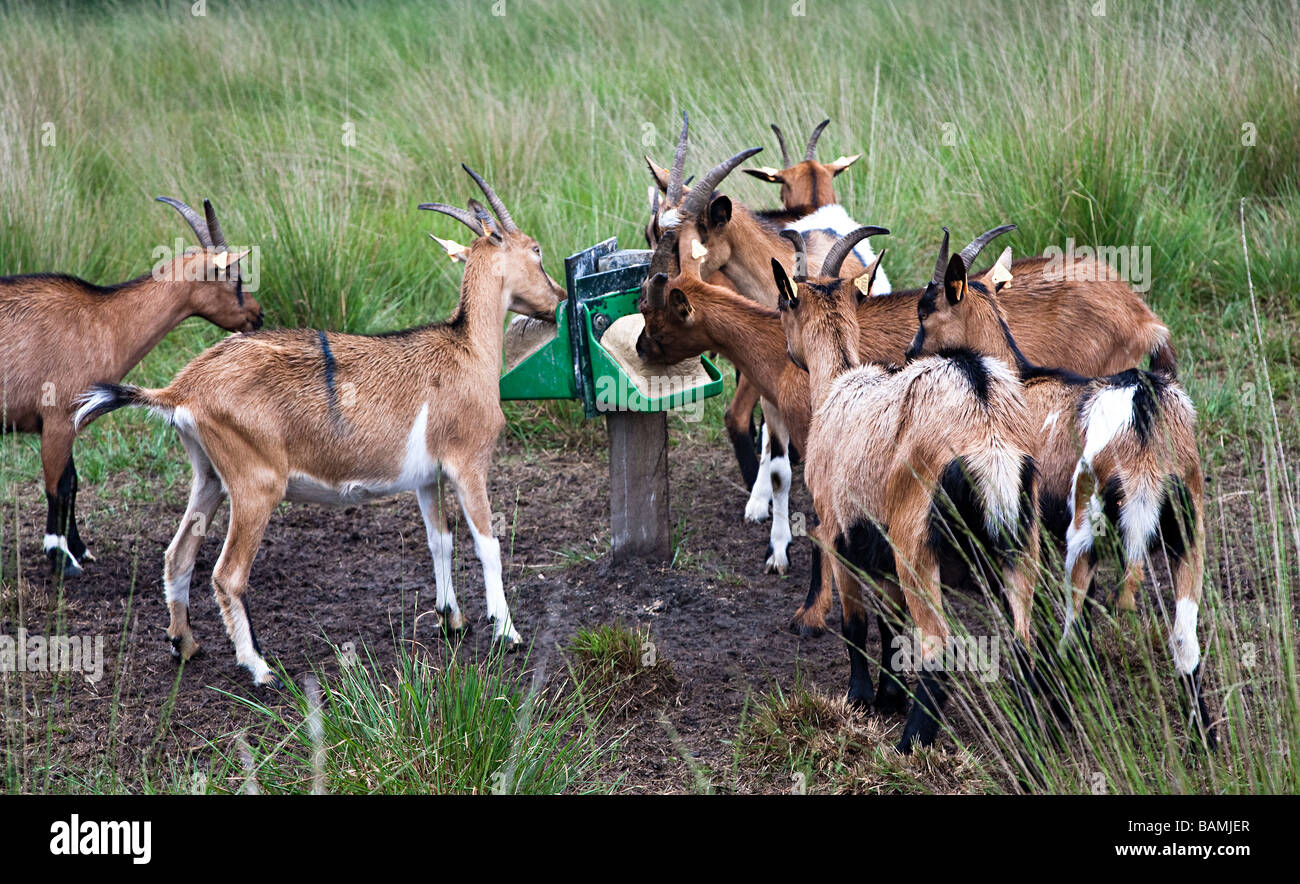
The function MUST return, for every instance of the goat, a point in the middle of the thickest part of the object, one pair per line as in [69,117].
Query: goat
[311,416]
[59,334]
[1122,447]
[918,474]
[807,185]
[1089,327]
[737,244]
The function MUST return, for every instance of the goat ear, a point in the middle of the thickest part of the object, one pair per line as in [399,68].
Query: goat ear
[839,165]
[867,277]
[954,279]
[1000,272]
[765,173]
[660,174]
[785,288]
[226,260]
[680,304]
[719,211]
[487,224]
[455,251]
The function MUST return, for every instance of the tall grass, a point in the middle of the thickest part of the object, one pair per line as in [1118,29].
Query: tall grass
[316,128]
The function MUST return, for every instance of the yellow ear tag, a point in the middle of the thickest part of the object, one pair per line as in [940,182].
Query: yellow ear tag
[698,250]
[221,259]
[863,282]
[769,171]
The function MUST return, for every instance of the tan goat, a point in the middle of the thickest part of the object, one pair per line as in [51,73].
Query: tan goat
[321,417]
[807,185]
[1120,448]
[923,477]
[59,334]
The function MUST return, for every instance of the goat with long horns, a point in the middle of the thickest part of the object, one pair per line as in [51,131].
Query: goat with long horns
[59,334]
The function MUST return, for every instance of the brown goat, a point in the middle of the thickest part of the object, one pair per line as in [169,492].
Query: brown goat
[807,185]
[1122,448]
[59,334]
[1091,328]
[320,417]
[732,242]
[923,477]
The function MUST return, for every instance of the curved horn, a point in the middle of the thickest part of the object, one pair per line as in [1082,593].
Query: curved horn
[780,139]
[812,142]
[459,214]
[197,224]
[674,193]
[507,223]
[971,252]
[800,252]
[661,260]
[838,252]
[941,263]
[698,198]
[214,227]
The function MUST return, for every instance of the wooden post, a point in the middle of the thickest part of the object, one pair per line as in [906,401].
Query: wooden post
[638,485]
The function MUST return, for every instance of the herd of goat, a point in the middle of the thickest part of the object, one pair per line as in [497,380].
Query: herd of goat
[952,435]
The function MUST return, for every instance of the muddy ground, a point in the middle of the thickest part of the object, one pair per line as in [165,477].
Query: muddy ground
[327,576]
[334,575]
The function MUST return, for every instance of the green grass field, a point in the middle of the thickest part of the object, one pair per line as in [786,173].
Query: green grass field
[316,128]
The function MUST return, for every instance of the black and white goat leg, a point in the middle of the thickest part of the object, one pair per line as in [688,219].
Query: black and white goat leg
[759,505]
[776,450]
[63,546]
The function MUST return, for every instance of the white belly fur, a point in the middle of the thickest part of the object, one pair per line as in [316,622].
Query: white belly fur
[418,469]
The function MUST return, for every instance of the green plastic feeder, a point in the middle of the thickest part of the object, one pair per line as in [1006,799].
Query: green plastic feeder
[603,285]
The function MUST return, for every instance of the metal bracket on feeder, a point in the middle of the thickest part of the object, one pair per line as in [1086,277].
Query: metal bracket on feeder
[603,284]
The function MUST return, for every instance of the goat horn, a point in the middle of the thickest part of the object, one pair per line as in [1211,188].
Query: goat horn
[812,142]
[838,252]
[941,263]
[655,290]
[459,214]
[780,139]
[661,261]
[971,252]
[214,227]
[698,198]
[674,193]
[800,252]
[507,223]
[197,224]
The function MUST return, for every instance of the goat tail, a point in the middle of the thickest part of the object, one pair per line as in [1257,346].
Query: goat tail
[102,398]
[1163,359]
[1004,477]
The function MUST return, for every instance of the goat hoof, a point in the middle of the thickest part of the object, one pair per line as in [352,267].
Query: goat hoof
[861,700]
[87,556]
[757,511]
[183,647]
[800,626]
[63,565]
[269,681]
[453,629]
[891,701]
[777,567]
